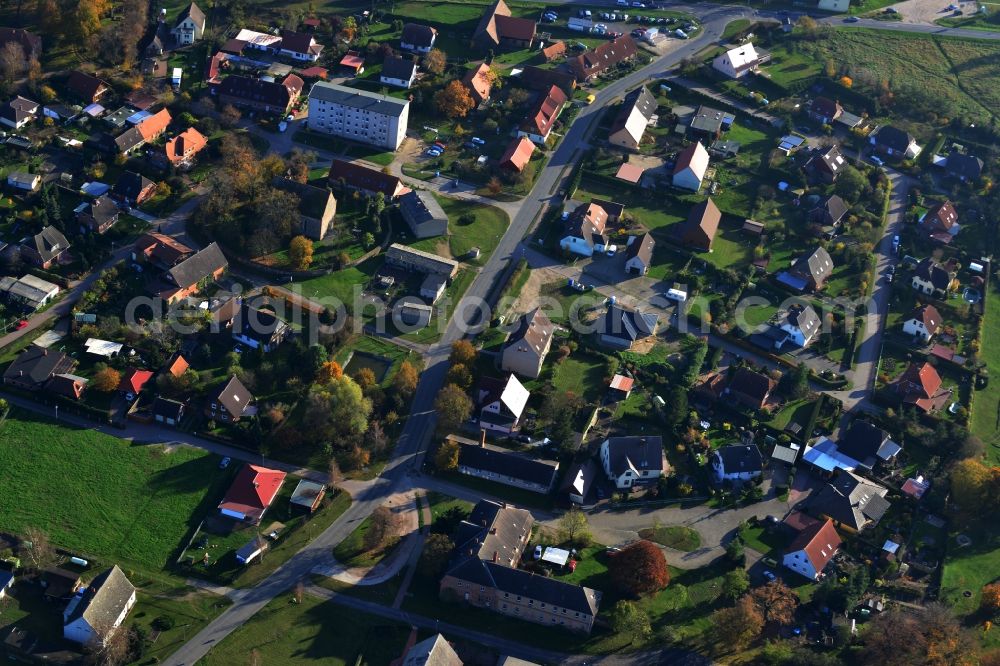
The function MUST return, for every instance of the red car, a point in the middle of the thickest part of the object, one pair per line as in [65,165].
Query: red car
[21,324]
[572,565]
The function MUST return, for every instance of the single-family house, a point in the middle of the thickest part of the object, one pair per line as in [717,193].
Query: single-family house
[525,350]
[501,403]
[159,250]
[940,222]
[737,462]
[29,291]
[554,51]
[810,273]
[433,651]
[738,61]
[862,446]
[423,214]
[45,248]
[749,388]
[35,366]
[418,38]
[690,168]
[931,278]
[639,254]
[601,58]
[167,411]
[88,89]
[633,461]
[398,71]
[98,216]
[92,618]
[176,365]
[893,142]
[923,322]
[193,274]
[826,165]
[478,81]
[622,329]
[300,46]
[542,115]
[24,182]
[317,206]
[353,63]
[920,386]
[702,223]
[133,381]
[585,227]
[67,385]
[536,78]
[506,467]
[355,176]
[709,123]
[637,110]
[180,151]
[812,549]
[852,502]
[255,94]
[128,141]
[251,493]
[800,326]
[190,25]
[230,403]
[499,30]
[824,110]
[579,481]
[259,328]
[133,189]
[829,212]
[18,112]
[518,154]
[966,168]
[483,572]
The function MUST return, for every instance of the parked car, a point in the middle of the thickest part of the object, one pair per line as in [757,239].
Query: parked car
[621,3]
[640,5]
[851,19]
[769,575]
[479,142]
[224,463]
[876,161]
[538,552]
[21,324]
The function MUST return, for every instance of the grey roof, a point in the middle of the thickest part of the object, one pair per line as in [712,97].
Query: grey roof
[234,397]
[817,264]
[168,409]
[707,119]
[894,138]
[131,184]
[549,590]
[929,270]
[398,67]
[261,325]
[433,651]
[104,601]
[639,99]
[313,201]
[418,35]
[628,324]
[635,452]
[832,210]
[129,139]
[641,247]
[851,500]
[427,261]
[419,207]
[199,266]
[102,210]
[862,442]
[22,178]
[19,109]
[740,458]
[507,464]
[491,528]
[358,99]
[49,243]
[580,478]
[965,166]
[36,365]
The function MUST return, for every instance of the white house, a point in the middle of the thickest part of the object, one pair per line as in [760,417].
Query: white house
[300,46]
[639,254]
[190,25]
[96,612]
[737,62]
[800,326]
[692,163]
[812,549]
[6,582]
[501,404]
[418,38]
[18,112]
[738,462]
[923,322]
[359,115]
[398,71]
[633,461]
[930,277]
[585,230]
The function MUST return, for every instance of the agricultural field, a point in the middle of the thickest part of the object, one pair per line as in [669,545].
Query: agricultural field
[127,503]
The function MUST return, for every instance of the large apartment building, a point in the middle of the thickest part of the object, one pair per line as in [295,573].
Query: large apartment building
[358,115]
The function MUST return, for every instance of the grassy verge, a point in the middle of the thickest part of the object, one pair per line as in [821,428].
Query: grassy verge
[351,552]
[677,537]
[985,421]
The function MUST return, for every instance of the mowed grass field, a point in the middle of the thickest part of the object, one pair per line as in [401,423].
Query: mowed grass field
[985,420]
[99,496]
[962,74]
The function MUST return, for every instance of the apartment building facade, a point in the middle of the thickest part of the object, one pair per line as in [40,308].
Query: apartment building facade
[358,115]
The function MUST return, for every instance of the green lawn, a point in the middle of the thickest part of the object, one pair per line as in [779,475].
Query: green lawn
[484,232]
[378,347]
[733,28]
[677,537]
[351,552]
[582,374]
[341,284]
[971,567]
[797,411]
[762,541]
[985,420]
[440,505]
[312,632]
[97,495]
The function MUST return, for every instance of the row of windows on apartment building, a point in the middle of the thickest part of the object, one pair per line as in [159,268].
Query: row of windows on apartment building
[531,602]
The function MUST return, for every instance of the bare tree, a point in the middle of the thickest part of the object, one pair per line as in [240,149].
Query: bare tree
[12,61]
[300,590]
[39,549]
[333,472]
[381,527]
[117,650]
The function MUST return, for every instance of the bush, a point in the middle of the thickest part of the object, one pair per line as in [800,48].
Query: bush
[163,623]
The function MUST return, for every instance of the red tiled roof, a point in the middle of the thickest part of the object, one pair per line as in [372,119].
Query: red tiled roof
[478,83]
[545,111]
[930,317]
[133,380]
[819,541]
[315,72]
[177,366]
[186,144]
[622,383]
[253,490]
[155,125]
[920,381]
[352,60]
[518,154]
[553,51]
[630,173]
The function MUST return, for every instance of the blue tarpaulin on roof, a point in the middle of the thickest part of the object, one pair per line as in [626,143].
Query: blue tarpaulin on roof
[95,188]
[792,281]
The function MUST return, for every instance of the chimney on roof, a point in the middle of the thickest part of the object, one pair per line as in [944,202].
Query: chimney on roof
[482,438]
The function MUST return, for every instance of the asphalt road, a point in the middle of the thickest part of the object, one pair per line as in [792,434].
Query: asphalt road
[420,426]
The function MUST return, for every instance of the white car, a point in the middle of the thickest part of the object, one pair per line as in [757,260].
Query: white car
[611,250]
[621,3]
[639,5]
[538,552]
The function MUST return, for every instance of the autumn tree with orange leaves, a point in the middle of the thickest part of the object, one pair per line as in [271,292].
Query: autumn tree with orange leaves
[454,100]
